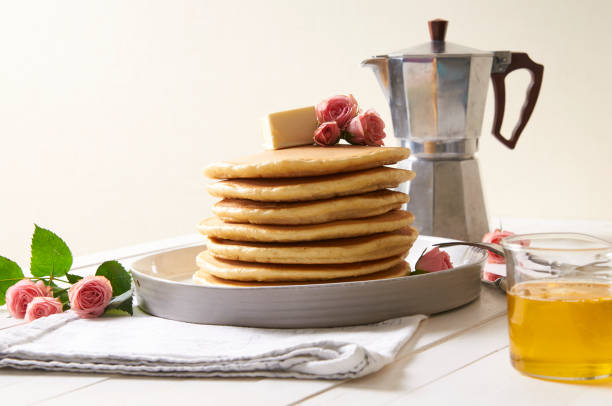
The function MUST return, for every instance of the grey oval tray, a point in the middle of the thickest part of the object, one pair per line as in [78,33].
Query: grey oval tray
[164,289]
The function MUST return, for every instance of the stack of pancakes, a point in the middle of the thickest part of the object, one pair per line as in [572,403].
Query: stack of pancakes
[305,215]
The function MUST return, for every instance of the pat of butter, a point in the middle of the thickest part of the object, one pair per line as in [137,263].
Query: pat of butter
[289,128]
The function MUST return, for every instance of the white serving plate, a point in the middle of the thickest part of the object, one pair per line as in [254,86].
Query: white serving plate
[164,289]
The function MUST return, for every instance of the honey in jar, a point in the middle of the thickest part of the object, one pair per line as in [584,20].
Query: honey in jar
[561,328]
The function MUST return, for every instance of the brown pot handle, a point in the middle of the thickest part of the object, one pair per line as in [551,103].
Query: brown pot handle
[518,60]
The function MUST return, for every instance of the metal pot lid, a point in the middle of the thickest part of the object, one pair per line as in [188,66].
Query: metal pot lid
[437,47]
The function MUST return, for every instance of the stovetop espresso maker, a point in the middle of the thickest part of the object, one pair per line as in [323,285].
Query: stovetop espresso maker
[437,93]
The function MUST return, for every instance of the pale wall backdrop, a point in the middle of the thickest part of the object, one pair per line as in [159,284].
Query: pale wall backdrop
[109,109]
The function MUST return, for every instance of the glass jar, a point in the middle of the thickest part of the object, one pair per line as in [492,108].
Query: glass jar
[560,305]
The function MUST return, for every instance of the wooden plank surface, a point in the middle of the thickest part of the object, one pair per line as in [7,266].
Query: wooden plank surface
[492,380]
[414,370]
[28,387]
[458,355]
[119,389]
[164,391]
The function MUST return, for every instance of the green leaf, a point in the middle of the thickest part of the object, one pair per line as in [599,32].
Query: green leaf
[10,274]
[418,272]
[127,306]
[121,304]
[61,294]
[73,278]
[50,254]
[117,275]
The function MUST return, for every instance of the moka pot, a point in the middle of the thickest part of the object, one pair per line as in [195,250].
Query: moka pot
[437,92]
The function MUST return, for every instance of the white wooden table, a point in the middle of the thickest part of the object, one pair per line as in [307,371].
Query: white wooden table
[458,357]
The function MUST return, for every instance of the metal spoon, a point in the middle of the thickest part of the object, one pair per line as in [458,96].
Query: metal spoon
[500,281]
[489,246]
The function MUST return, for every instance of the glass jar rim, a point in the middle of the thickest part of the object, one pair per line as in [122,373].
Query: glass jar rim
[517,242]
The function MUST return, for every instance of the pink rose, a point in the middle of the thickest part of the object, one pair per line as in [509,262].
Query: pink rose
[434,260]
[327,134]
[495,237]
[340,109]
[490,276]
[42,307]
[21,294]
[367,129]
[90,296]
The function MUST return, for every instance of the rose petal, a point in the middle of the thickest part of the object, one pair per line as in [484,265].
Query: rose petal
[327,134]
[22,293]
[90,296]
[42,306]
[339,108]
[434,260]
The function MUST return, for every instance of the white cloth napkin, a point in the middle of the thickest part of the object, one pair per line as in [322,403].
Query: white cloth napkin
[145,345]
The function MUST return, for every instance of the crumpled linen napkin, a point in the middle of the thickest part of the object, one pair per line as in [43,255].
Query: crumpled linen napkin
[146,345]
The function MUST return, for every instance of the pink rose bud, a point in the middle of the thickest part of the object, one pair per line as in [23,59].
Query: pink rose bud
[434,260]
[340,109]
[495,237]
[22,293]
[327,134]
[490,276]
[42,306]
[90,296]
[368,128]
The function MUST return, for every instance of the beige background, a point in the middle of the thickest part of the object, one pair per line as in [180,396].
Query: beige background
[109,109]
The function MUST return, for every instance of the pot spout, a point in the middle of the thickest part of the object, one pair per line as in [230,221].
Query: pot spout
[380,66]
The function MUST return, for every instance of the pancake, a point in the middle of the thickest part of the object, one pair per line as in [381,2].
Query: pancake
[313,212]
[390,221]
[202,277]
[310,188]
[306,161]
[338,251]
[253,271]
